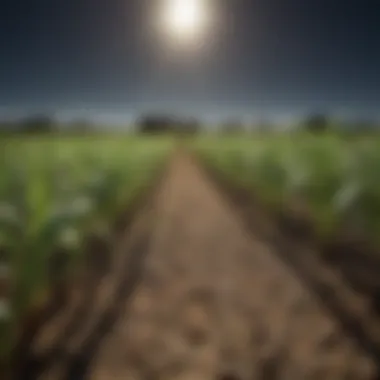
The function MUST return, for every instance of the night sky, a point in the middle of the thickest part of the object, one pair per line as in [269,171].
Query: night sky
[270,57]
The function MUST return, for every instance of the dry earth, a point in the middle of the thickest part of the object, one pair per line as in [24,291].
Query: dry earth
[214,303]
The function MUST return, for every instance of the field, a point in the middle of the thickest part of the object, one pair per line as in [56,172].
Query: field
[224,268]
[334,181]
[54,195]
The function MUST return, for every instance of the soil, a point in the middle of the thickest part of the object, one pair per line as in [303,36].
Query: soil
[343,271]
[195,292]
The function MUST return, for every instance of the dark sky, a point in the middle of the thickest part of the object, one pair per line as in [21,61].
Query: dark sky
[277,57]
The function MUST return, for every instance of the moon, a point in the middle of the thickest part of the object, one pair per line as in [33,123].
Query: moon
[185,20]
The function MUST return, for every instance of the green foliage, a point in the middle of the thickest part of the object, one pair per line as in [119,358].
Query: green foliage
[54,193]
[338,179]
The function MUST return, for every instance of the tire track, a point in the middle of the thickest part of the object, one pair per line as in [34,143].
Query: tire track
[214,302]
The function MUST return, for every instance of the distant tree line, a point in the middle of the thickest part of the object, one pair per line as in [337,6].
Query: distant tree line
[319,123]
[44,124]
[155,123]
[29,125]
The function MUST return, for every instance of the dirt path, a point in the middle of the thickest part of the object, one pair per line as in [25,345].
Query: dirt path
[212,303]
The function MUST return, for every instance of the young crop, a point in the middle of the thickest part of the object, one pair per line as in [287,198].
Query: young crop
[337,179]
[52,196]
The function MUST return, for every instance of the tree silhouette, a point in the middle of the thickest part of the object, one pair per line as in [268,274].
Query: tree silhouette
[157,124]
[37,124]
[316,123]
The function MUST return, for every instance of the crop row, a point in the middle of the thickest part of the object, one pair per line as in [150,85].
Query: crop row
[53,195]
[336,180]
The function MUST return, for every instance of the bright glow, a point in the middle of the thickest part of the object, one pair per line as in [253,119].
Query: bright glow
[185,19]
